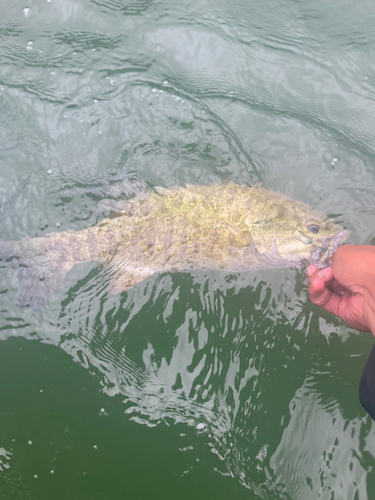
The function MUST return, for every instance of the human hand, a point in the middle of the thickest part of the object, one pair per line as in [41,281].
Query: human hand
[347,289]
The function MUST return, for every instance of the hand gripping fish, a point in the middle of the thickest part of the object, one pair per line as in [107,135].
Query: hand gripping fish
[224,226]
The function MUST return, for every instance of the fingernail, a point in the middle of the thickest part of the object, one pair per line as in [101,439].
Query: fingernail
[312,285]
[322,273]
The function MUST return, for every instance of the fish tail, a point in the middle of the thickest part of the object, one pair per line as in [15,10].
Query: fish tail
[22,249]
[9,250]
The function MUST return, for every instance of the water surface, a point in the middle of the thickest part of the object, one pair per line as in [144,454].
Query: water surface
[202,385]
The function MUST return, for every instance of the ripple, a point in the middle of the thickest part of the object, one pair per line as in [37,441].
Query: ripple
[133,8]
[114,98]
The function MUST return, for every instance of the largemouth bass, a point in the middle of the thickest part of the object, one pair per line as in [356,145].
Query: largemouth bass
[220,226]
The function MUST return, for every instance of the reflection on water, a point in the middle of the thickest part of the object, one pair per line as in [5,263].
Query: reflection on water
[276,92]
[323,455]
[229,358]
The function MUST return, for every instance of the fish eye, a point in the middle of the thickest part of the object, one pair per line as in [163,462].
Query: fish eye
[314,228]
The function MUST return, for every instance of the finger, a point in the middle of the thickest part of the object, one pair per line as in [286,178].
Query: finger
[325,274]
[324,297]
[310,270]
[318,293]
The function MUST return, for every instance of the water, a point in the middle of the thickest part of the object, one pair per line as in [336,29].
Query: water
[196,384]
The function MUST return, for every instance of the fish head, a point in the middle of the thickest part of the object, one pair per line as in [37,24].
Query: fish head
[308,237]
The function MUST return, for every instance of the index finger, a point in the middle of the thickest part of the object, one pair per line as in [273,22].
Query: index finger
[320,294]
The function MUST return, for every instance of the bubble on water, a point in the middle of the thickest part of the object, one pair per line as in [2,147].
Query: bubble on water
[333,162]
[29,45]
[99,132]
[36,476]
[29,442]
[26,11]
[201,428]
[52,471]
[111,81]
[49,171]
[48,1]
[165,82]
[58,224]
[95,447]
[153,91]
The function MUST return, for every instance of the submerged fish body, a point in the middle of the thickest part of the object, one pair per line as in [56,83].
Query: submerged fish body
[220,226]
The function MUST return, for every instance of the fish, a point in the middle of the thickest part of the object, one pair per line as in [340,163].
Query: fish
[224,227]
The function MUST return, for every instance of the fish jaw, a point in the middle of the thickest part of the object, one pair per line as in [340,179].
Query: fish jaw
[339,239]
[322,256]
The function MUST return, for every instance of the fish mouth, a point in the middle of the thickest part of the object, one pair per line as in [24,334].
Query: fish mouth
[322,257]
[339,239]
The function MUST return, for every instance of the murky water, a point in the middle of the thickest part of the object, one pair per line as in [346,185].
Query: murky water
[197,384]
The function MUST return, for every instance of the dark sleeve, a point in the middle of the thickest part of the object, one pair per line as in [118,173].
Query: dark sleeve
[367,385]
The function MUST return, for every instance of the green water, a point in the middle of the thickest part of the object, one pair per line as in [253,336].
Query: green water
[193,385]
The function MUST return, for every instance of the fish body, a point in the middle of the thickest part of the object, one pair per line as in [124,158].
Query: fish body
[219,226]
